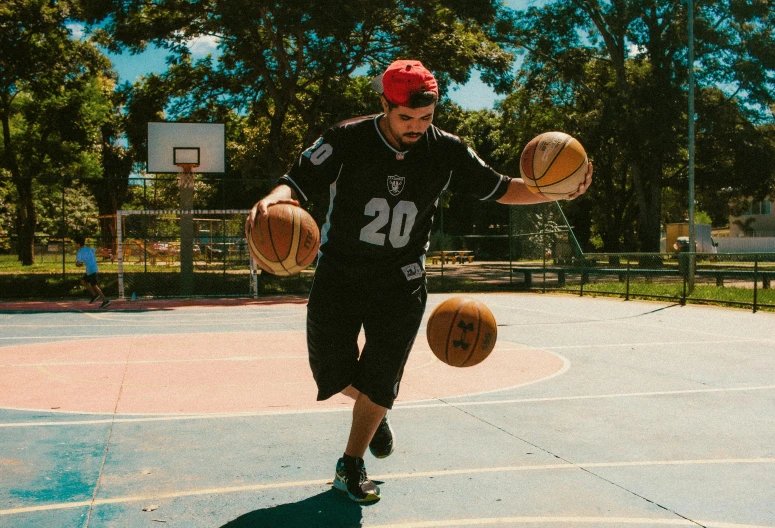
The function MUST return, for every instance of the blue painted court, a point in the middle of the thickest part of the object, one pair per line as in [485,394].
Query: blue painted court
[589,412]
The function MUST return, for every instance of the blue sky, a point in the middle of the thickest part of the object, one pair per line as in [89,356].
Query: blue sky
[474,95]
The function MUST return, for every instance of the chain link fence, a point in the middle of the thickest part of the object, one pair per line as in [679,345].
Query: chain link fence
[531,248]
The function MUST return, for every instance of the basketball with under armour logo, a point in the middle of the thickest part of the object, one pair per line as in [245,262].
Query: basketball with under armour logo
[461,331]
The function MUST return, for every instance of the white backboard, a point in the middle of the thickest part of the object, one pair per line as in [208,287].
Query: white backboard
[166,141]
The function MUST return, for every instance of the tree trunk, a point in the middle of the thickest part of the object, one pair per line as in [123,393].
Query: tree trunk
[26,217]
[26,221]
[648,190]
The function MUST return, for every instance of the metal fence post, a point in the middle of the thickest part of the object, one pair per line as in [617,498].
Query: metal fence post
[627,287]
[511,249]
[755,280]
[441,229]
[64,230]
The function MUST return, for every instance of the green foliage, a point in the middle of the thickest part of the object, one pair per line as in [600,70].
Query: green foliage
[52,104]
[7,213]
[614,74]
[284,69]
[79,216]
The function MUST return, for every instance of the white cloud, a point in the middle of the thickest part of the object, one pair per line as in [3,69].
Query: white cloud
[203,45]
[633,50]
[77,30]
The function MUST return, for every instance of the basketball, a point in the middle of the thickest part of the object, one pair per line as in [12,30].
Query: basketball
[554,164]
[461,332]
[285,241]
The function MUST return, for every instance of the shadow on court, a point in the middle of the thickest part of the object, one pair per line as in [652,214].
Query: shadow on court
[330,509]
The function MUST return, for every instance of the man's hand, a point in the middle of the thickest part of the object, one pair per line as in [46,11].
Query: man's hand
[584,185]
[281,194]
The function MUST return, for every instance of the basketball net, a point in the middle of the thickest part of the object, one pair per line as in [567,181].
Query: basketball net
[187,175]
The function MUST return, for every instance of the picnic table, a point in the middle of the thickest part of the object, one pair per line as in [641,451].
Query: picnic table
[454,256]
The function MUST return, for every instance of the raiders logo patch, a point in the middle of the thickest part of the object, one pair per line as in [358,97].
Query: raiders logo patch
[412,271]
[395,184]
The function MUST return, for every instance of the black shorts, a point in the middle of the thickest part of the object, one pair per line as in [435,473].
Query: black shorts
[386,305]
[90,279]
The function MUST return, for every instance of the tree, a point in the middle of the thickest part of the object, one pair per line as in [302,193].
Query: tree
[50,103]
[637,49]
[287,66]
[116,163]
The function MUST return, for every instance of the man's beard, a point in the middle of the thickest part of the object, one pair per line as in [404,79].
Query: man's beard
[406,146]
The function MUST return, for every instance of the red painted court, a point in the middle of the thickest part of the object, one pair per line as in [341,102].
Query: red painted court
[224,373]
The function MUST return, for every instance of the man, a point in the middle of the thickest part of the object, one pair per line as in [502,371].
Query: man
[384,175]
[85,257]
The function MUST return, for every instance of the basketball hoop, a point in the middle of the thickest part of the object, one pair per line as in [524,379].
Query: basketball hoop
[181,148]
[172,146]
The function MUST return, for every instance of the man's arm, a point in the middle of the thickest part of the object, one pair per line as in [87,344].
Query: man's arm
[517,192]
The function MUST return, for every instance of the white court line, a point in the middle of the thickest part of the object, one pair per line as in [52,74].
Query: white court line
[386,477]
[660,343]
[254,328]
[550,521]
[397,406]
[150,361]
[410,405]
[141,335]
[563,370]
[145,323]
[575,318]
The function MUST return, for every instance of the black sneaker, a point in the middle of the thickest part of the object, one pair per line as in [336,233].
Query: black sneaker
[105,303]
[351,477]
[381,444]
[92,299]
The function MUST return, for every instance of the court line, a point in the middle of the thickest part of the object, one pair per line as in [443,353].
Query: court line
[54,338]
[149,361]
[140,417]
[660,343]
[211,359]
[566,363]
[410,405]
[565,520]
[575,318]
[144,323]
[386,477]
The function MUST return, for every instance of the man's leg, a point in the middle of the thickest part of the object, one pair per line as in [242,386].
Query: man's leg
[99,292]
[367,416]
[350,469]
[89,287]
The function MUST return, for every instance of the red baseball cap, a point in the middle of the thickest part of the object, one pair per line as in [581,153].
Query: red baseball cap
[404,78]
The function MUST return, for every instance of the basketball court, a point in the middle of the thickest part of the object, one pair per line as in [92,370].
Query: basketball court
[589,412]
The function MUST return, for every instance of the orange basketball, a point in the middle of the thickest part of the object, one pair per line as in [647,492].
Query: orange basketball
[285,241]
[461,331]
[554,164]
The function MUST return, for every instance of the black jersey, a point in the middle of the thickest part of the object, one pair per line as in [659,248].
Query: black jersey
[382,201]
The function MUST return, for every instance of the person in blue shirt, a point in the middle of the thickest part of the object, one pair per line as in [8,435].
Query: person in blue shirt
[85,257]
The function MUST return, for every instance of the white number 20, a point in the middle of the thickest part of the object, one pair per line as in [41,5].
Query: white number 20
[404,214]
